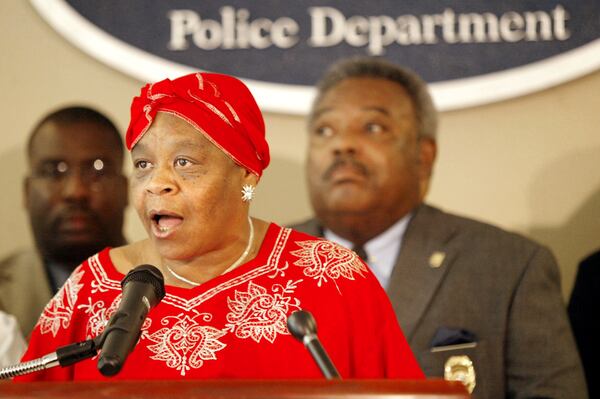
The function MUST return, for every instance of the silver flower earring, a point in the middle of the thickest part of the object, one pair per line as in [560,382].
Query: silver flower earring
[247,192]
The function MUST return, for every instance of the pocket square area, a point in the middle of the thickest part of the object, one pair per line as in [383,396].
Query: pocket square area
[446,336]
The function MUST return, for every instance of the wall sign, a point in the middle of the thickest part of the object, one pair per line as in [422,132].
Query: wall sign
[472,52]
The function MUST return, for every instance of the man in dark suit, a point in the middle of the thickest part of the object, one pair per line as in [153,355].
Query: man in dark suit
[583,312]
[75,194]
[476,303]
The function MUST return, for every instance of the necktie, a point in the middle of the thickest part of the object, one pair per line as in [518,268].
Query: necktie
[360,251]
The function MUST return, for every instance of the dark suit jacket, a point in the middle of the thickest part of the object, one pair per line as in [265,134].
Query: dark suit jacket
[583,312]
[498,286]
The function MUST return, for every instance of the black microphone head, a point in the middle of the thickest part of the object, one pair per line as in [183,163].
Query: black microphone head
[109,365]
[143,288]
[301,323]
[147,274]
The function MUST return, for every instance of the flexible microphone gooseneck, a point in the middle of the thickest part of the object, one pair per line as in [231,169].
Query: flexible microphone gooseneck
[143,289]
[301,324]
[64,356]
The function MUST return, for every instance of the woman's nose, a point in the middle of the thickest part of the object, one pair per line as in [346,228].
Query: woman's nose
[161,182]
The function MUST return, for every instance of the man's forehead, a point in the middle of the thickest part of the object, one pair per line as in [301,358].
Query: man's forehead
[71,154]
[366,95]
[366,108]
[75,141]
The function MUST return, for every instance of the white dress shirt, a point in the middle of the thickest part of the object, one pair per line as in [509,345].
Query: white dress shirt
[12,344]
[382,250]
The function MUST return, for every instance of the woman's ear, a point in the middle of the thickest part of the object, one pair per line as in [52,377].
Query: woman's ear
[250,178]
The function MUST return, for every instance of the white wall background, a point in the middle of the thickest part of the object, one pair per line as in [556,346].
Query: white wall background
[530,164]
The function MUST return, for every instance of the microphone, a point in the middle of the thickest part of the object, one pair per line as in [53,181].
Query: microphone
[301,324]
[143,289]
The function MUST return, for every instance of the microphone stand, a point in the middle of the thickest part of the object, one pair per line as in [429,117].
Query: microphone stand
[64,356]
[149,283]
[302,325]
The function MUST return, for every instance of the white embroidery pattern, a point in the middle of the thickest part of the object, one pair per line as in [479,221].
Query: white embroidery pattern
[279,270]
[321,259]
[257,314]
[60,309]
[99,315]
[273,264]
[186,344]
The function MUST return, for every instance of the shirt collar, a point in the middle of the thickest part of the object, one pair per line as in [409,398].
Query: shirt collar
[382,250]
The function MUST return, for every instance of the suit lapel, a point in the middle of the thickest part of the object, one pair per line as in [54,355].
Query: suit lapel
[424,259]
[311,226]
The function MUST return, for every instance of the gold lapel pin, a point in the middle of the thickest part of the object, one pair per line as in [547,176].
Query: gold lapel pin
[436,259]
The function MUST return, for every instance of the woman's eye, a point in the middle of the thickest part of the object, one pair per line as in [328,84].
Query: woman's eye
[141,164]
[182,162]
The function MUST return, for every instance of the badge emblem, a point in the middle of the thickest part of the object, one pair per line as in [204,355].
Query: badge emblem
[460,368]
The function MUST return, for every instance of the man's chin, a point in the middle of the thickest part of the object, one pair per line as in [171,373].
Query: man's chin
[349,203]
[75,253]
[344,212]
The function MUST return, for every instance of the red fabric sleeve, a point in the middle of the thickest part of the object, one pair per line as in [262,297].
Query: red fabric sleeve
[58,331]
[365,321]
[385,353]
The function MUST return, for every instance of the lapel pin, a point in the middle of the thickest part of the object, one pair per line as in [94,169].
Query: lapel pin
[436,259]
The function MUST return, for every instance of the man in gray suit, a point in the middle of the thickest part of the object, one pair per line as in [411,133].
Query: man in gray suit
[75,194]
[476,303]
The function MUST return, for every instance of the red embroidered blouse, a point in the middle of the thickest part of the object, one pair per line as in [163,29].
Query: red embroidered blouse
[234,326]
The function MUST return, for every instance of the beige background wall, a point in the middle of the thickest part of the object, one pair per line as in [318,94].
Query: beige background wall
[530,164]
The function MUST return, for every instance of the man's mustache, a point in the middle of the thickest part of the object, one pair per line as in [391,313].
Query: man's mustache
[75,210]
[345,162]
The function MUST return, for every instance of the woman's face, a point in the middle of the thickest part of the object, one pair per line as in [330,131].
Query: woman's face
[186,191]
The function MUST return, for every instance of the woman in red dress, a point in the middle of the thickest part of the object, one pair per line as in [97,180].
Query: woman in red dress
[198,150]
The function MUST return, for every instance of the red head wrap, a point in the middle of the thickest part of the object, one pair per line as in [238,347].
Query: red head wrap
[220,106]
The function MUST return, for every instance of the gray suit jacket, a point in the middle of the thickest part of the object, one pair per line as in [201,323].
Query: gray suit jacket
[24,288]
[498,289]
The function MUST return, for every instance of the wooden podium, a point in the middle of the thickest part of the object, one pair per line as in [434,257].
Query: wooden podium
[230,389]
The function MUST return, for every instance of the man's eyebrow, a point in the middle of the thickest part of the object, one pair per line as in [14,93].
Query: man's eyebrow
[380,110]
[319,112]
[50,159]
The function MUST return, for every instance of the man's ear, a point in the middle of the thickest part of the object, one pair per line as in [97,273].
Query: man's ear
[427,155]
